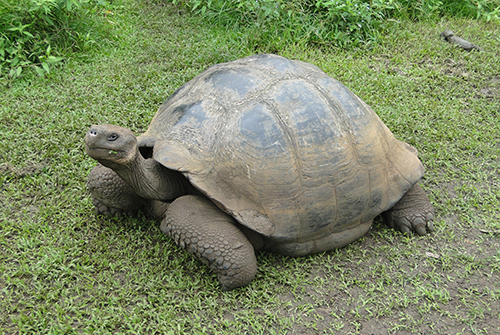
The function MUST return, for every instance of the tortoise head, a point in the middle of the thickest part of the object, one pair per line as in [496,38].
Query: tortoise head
[111,145]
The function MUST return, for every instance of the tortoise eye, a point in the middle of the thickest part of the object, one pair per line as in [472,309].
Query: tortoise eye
[113,137]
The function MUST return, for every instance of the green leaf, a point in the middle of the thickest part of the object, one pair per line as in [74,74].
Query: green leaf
[46,67]
[48,20]
[39,71]
[14,61]
[54,59]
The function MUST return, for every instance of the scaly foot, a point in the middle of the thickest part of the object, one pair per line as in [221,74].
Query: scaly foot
[111,196]
[212,236]
[413,212]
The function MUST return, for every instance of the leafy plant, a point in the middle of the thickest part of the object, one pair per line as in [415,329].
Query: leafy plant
[488,10]
[337,23]
[340,23]
[36,33]
[356,21]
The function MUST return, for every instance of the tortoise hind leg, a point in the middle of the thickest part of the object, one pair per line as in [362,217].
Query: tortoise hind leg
[413,212]
[212,236]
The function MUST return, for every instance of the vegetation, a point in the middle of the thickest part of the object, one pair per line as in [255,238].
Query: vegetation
[277,23]
[64,270]
[37,34]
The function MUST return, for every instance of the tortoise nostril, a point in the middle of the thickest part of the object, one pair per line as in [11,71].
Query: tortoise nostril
[93,132]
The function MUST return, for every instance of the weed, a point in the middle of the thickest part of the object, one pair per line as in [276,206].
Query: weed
[277,23]
[31,30]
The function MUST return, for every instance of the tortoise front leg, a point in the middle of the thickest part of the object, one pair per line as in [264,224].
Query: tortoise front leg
[212,236]
[413,212]
[111,196]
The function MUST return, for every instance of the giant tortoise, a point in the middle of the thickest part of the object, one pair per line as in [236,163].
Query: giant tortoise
[260,153]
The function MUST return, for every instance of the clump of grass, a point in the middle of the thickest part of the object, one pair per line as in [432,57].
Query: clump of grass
[36,34]
[278,23]
[488,10]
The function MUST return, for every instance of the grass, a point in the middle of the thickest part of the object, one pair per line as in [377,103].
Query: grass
[37,34]
[65,270]
[274,24]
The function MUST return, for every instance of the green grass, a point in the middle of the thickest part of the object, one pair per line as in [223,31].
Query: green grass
[35,35]
[65,270]
[274,24]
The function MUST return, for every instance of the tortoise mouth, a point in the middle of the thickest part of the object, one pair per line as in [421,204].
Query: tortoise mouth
[100,152]
[96,147]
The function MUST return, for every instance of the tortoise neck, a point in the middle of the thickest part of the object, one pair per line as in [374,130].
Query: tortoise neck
[153,181]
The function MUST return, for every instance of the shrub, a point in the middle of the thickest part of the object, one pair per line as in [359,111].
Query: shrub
[342,23]
[34,34]
[478,9]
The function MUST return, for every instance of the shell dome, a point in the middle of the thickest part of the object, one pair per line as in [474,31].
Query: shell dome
[282,147]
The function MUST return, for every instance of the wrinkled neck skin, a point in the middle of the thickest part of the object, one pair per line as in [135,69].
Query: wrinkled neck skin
[151,180]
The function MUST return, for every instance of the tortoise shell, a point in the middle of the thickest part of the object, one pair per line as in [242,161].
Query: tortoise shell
[282,147]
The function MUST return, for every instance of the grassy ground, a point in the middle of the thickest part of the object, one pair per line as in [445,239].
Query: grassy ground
[64,270]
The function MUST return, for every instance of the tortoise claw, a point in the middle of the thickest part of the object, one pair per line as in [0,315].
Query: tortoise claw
[405,230]
[420,227]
